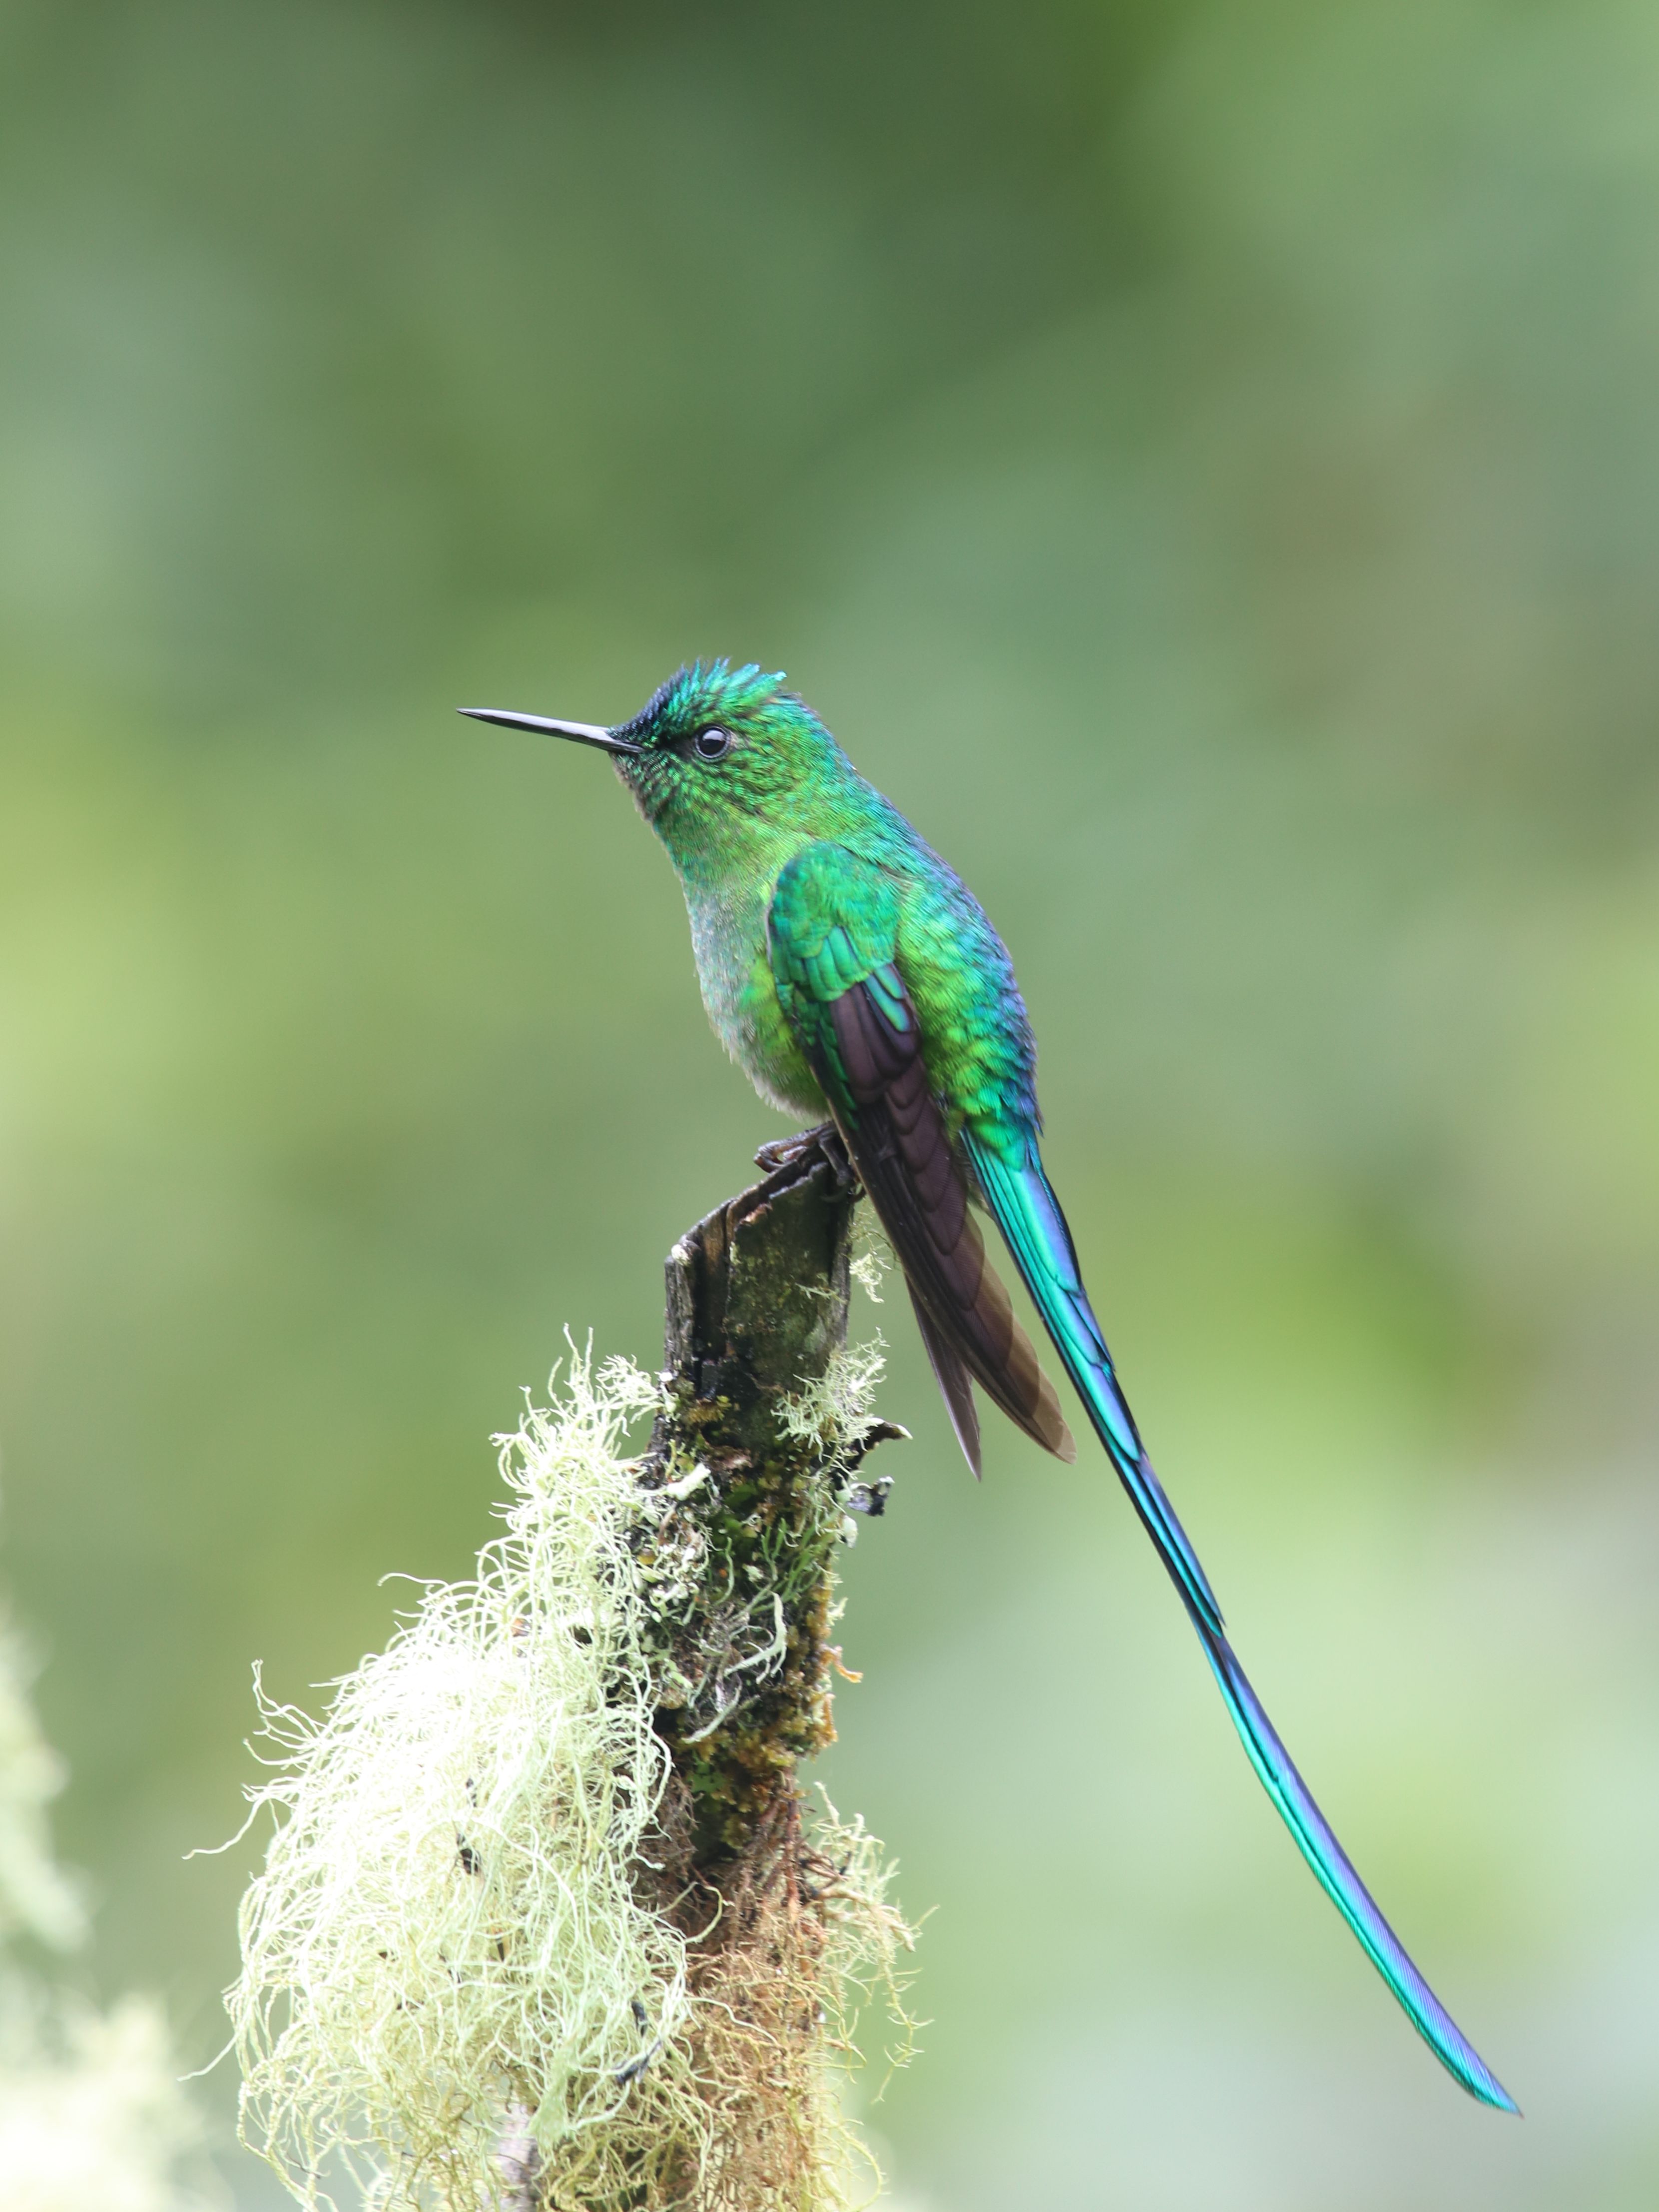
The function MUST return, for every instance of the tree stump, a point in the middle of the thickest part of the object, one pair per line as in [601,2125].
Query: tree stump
[767,1460]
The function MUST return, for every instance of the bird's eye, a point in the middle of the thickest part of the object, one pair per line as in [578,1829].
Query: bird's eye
[712,744]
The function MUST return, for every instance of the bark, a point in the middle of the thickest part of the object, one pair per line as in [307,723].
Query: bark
[747,1509]
[756,1312]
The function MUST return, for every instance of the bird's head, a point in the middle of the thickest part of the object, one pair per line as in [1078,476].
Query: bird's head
[713,743]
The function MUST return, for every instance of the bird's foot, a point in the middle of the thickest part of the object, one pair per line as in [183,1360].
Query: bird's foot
[799,1151]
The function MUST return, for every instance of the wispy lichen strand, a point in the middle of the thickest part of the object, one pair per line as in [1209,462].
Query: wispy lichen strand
[462,1937]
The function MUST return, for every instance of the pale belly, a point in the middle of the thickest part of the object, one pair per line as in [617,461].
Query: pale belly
[742,1003]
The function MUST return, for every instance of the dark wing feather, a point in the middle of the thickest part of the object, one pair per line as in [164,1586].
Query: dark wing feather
[897,1139]
[956,1384]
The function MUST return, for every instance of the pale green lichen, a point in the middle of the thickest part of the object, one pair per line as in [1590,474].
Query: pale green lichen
[872,1254]
[36,1897]
[832,1413]
[446,1926]
[464,1936]
[91,2115]
[868,1942]
[93,2118]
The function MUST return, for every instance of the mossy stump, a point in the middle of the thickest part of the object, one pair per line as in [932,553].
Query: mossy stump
[758,1298]
[546,1922]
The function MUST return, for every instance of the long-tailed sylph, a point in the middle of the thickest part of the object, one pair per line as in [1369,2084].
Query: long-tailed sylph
[848,969]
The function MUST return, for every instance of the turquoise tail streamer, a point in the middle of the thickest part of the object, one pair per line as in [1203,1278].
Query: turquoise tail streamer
[1030,1219]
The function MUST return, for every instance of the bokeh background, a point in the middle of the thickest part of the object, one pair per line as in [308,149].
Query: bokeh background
[1203,459]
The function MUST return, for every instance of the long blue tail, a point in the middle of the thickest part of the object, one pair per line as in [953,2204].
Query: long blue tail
[1336,1876]
[1030,1217]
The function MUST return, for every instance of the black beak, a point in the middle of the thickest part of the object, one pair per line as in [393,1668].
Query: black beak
[585,734]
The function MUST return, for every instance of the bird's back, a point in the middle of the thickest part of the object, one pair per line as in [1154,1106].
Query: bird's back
[976,1035]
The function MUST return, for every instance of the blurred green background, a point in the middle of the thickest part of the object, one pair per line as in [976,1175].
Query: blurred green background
[1203,460]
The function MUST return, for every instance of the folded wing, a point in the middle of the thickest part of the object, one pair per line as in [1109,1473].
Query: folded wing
[831,938]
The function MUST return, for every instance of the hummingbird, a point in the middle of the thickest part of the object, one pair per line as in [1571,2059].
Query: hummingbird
[852,975]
